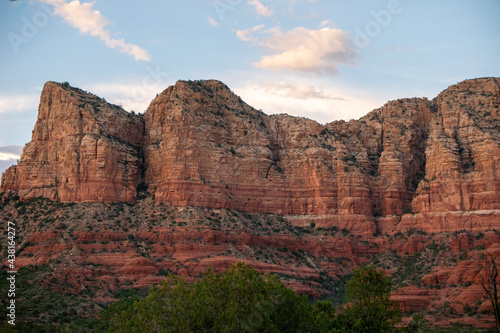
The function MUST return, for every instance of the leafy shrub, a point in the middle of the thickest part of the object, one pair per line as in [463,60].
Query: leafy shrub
[369,309]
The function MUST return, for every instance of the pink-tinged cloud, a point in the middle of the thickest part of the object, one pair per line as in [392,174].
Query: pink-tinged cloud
[302,50]
[92,22]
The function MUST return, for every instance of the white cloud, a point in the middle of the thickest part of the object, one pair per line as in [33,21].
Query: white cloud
[8,153]
[131,96]
[8,157]
[323,105]
[212,22]
[260,8]
[297,91]
[303,50]
[92,22]
[247,34]
[18,103]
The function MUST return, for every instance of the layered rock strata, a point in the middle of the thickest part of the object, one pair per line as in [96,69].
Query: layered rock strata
[413,163]
[82,149]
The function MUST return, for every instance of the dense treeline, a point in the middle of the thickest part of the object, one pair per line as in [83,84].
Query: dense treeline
[243,300]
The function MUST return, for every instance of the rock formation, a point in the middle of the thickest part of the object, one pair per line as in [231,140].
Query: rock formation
[413,163]
[82,149]
[399,176]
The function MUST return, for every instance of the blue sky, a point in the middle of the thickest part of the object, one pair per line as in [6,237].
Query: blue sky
[321,59]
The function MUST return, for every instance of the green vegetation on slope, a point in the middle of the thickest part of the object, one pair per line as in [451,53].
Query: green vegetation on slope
[61,296]
[243,300]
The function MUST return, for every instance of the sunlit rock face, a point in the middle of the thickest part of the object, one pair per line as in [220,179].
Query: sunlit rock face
[413,163]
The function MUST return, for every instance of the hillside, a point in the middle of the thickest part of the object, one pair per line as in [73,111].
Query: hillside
[105,200]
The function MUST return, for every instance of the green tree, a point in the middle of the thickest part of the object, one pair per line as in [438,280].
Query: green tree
[237,300]
[369,308]
[418,324]
[325,318]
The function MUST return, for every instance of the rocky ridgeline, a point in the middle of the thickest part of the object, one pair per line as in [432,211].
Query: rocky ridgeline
[413,163]
[412,188]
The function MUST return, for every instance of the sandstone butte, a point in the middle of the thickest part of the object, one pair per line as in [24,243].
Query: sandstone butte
[413,163]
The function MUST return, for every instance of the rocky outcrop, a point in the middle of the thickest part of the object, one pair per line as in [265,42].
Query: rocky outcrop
[205,147]
[463,150]
[413,163]
[82,149]
[200,151]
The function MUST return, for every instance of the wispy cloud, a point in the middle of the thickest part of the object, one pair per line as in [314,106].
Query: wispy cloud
[89,21]
[8,157]
[260,8]
[306,100]
[325,23]
[212,22]
[8,153]
[18,103]
[131,96]
[301,49]
[247,35]
[298,91]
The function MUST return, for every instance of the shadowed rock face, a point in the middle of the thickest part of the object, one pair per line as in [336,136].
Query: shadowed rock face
[199,144]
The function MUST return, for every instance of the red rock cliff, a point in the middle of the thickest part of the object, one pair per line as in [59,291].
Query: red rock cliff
[204,146]
[82,149]
[413,163]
